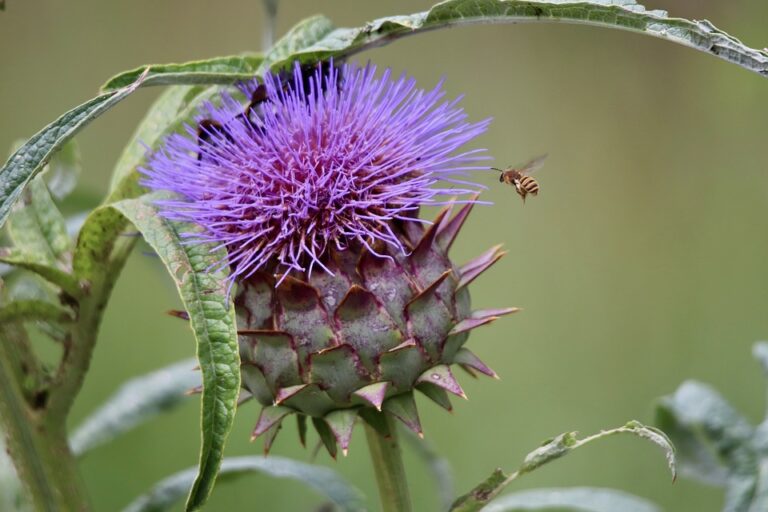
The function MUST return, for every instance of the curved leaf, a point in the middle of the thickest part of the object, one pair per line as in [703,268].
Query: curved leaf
[303,35]
[217,70]
[577,499]
[325,481]
[553,449]
[620,14]
[713,439]
[30,158]
[212,316]
[27,161]
[137,401]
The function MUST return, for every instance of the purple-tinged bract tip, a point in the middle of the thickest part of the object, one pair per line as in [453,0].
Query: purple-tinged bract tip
[333,160]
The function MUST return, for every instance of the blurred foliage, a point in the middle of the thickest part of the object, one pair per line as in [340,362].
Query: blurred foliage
[640,263]
[716,444]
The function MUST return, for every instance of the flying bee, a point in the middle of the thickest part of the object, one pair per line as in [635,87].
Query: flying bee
[519,178]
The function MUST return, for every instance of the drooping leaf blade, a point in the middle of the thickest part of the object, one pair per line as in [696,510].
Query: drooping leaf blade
[137,401]
[618,14]
[29,159]
[553,449]
[204,294]
[324,480]
[577,499]
[713,439]
[217,70]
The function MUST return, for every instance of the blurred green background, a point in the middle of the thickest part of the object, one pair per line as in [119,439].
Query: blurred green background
[641,263]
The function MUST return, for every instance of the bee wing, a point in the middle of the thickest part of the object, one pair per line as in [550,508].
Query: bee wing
[534,165]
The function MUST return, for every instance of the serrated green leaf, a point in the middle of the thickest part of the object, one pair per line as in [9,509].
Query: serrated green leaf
[553,449]
[137,401]
[38,229]
[619,14]
[577,499]
[212,316]
[323,480]
[713,439]
[218,70]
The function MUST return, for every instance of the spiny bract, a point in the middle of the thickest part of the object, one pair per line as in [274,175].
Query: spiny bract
[333,346]
[346,300]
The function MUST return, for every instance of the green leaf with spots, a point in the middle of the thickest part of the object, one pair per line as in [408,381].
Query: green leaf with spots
[576,499]
[218,70]
[553,449]
[137,401]
[212,317]
[617,14]
[323,480]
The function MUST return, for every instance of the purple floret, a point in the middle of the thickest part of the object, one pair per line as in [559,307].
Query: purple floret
[330,163]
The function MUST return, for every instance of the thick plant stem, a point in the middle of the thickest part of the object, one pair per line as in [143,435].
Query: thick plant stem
[33,415]
[388,466]
[38,448]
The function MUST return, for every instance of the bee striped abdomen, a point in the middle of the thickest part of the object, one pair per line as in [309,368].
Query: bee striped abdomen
[530,185]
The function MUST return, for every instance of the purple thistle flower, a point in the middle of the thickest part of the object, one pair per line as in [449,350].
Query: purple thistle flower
[334,161]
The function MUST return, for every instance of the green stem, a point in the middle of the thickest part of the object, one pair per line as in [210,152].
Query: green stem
[39,448]
[388,466]
[79,349]
[33,416]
